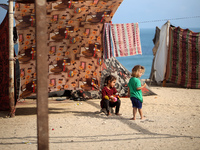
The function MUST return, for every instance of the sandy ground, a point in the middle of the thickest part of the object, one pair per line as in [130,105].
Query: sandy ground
[172,123]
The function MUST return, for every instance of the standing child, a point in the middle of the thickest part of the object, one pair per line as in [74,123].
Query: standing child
[135,90]
[109,98]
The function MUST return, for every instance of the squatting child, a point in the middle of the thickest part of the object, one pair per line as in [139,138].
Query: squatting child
[110,97]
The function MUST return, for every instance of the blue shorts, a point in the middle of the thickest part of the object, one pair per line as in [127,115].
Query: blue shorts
[136,103]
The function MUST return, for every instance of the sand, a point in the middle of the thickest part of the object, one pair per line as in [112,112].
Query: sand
[172,123]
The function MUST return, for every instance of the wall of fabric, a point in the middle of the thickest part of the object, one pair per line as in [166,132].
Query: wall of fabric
[183,65]
[74,30]
[4,64]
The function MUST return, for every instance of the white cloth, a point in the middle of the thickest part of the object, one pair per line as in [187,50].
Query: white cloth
[162,52]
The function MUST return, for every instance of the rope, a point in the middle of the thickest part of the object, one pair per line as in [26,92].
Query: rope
[169,19]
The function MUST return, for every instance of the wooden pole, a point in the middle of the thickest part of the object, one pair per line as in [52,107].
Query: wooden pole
[42,75]
[11,62]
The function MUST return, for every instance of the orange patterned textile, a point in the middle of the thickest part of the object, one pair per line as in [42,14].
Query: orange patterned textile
[74,29]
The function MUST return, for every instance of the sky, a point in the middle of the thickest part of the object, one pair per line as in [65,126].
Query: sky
[147,12]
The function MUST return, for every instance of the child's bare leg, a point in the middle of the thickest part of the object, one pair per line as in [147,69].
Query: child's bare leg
[134,113]
[109,114]
[141,114]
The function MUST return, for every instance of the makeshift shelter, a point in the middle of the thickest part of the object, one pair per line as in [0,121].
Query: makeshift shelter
[74,43]
[75,48]
[177,57]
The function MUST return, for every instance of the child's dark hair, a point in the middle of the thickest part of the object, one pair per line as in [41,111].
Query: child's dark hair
[109,78]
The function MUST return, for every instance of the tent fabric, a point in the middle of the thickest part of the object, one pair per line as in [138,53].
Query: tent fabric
[74,30]
[183,65]
[124,40]
[113,67]
[4,64]
[160,61]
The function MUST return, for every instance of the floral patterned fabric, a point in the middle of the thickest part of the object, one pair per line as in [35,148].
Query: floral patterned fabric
[74,30]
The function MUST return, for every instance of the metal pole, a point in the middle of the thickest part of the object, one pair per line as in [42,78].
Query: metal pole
[42,75]
[11,61]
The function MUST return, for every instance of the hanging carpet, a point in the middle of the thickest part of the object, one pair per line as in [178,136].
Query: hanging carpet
[183,65]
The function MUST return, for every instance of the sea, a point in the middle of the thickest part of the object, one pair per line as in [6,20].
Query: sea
[146,59]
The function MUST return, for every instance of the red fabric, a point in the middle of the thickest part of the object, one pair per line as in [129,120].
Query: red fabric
[4,65]
[108,92]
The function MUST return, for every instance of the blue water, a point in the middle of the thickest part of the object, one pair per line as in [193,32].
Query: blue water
[146,37]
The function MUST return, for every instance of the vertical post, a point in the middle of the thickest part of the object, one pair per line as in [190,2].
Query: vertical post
[42,75]
[11,62]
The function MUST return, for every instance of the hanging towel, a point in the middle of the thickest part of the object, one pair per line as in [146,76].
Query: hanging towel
[121,40]
[125,39]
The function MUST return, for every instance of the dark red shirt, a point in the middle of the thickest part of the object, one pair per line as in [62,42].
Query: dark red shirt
[108,92]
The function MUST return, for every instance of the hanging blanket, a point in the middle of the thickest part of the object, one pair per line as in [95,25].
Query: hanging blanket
[121,40]
[183,66]
[125,39]
[4,65]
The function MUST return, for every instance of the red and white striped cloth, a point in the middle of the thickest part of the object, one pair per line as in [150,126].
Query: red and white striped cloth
[123,40]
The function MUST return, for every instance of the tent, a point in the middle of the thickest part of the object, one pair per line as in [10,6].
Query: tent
[74,46]
[74,30]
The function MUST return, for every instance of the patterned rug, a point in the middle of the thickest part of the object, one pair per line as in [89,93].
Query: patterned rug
[4,65]
[183,66]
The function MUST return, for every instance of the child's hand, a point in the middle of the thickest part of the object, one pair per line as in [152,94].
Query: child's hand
[144,85]
[113,99]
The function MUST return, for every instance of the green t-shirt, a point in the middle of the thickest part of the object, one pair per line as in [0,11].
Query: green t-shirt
[133,84]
